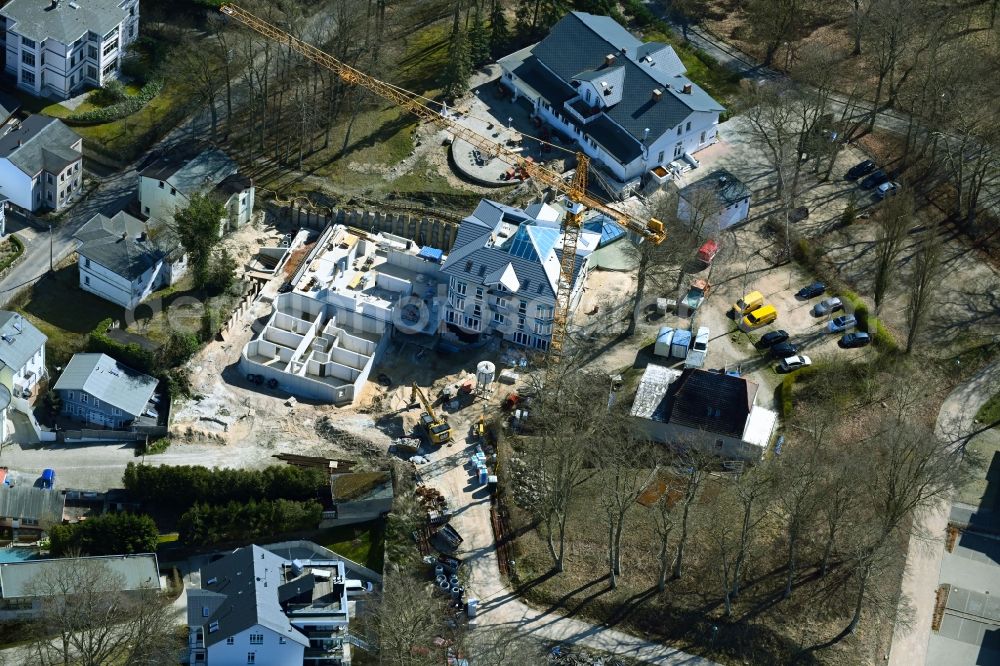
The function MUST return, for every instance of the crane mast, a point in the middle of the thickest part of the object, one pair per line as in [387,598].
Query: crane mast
[575,189]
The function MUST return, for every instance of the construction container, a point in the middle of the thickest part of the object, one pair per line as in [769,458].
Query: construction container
[663,341]
[472,607]
[483,475]
[680,344]
[492,479]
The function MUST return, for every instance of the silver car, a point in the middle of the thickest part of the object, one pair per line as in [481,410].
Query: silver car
[824,308]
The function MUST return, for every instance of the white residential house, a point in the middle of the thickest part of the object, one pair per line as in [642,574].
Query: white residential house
[124,260]
[626,103]
[22,354]
[55,48]
[503,273]
[257,607]
[714,203]
[168,185]
[41,163]
[713,412]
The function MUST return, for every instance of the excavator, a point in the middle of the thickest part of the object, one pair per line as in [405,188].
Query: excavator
[438,430]
[575,189]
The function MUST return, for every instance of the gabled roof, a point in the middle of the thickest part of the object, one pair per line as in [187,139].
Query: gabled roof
[19,340]
[244,589]
[66,21]
[698,399]
[199,175]
[25,501]
[38,143]
[109,381]
[578,46]
[126,245]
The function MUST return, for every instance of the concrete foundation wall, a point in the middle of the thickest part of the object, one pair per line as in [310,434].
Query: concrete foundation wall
[422,230]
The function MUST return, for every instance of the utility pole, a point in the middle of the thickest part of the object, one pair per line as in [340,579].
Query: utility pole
[50,249]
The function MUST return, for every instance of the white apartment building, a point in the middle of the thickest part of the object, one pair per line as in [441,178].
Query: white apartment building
[41,163]
[256,607]
[54,48]
[626,103]
[503,273]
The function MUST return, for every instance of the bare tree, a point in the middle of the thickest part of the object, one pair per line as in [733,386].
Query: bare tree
[695,468]
[201,70]
[751,491]
[665,521]
[403,622]
[86,618]
[796,478]
[776,22]
[893,220]
[923,283]
[501,646]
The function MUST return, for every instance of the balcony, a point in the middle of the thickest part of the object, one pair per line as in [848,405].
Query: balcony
[581,110]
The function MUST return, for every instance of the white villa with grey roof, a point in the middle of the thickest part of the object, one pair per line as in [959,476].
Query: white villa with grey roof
[168,185]
[714,203]
[54,48]
[41,162]
[124,260]
[626,103]
[98,390]
[503,272]
[256,607]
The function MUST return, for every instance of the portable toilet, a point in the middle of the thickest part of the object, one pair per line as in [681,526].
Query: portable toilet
[49,478]
[680,344]
[663,340]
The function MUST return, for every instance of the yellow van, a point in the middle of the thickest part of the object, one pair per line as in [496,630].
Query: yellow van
[748,303]
[760,317]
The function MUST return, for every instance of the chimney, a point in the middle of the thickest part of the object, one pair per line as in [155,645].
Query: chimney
[624,50]
[687,89]
[645,133]
[18,143]
[657,94]
[142,237]
[124,235]
[609,60]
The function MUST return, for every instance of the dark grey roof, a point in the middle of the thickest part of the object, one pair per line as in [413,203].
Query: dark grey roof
[579,43]
[248,580]
[198,175]
[710,401]
[66,22]
[479,251]
[19,340]
[108,380]
[38,142]
[724,187]
[135,572]
[26,501]
[233,184]
[117,243]
[8,106]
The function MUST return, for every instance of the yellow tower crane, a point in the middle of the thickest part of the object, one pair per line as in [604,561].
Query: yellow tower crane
[576,189]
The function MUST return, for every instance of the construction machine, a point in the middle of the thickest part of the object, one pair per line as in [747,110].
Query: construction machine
[427,109]
[438,430]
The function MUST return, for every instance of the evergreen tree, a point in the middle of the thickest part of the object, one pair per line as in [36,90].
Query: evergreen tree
[459,67]
[499,34]
[479,40]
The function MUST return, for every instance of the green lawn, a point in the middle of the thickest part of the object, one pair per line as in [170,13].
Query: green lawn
[990,411]
[363,543]
[178,308]
[65,313]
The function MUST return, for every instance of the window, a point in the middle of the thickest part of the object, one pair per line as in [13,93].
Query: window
[702,139]
[468,266]
[213,627]
[162,184]
[112,33]
[230,641]
[521,338]
[452,317]
[479,293]
[477,310]
[205,611]
[30,43]
[472,323]
[588,94]
[145,210]
[173,191]
[678,149]
[542,343]
[69,395]
[501,302]
[522,307]
[687,128]
[718,443]
[520,323]
[83,398]
[109,69]
[281,640]
[116,411]
[131,28]
[27,77]
[498,318]
[97,403]
[48,196]
[459,286]
[86,262]
[62,177]
[659,159]
[679,128]
[92,53]
[251,657]
[459,304]
[49,176]
[256,639]
[92,72]
[28,58]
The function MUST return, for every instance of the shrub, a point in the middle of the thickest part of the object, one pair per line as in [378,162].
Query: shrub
[125,107]
[130,354]
[109,534]
[112,93]
[203,525]
[179,348]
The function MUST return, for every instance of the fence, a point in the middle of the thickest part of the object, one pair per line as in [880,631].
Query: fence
[423,230]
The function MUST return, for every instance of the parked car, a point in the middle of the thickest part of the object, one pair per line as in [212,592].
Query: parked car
[784,350]
[860,169]
[748,303]
[760,317]
[772,338]
[811,291]
[708,251]
[842,323]
[874,180]
[855,339]
[794,363]
[826,307]
[887,189]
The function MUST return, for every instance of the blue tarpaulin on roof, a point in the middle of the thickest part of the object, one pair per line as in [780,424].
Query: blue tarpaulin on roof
[431,254]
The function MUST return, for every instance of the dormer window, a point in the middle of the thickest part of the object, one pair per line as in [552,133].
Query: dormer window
[588,94]
[213,627]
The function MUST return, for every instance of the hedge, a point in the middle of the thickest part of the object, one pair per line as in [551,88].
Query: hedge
[131,354]
[126,107]
[204,525]
[109,534]
[787,386]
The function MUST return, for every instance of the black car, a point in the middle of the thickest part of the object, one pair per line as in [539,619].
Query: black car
[812,291]
[784,350]
[285,288]
[855,339]
[874,180]
[772,338]
[860,169]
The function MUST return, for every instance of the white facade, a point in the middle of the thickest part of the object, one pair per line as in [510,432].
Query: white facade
[32,179]
[239,209]
[256,645]
[721,219]
[118,289]
[20,189]
[59,63]
[160,199]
